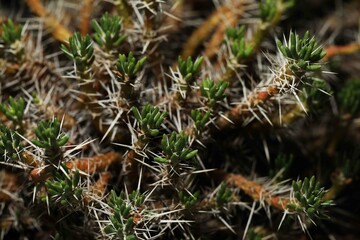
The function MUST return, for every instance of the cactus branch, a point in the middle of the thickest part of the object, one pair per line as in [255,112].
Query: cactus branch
[59,31]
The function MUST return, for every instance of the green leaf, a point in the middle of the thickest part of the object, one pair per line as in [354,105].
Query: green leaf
[81,51]
[349,97]
[149,120]
[49,136]
[213,92]
[175,149]
[268,9]
[308,198]
[301,49]
[191,154]
[63,140]
[161,160]
[14,111]
[129,66]
[108,32]
[189,68]
[10,32]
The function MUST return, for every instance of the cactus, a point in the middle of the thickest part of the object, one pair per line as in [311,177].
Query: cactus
[130,120]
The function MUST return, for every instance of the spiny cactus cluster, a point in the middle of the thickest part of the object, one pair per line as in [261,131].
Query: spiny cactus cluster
[172,120]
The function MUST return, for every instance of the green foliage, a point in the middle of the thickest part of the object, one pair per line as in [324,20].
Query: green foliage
[214,92]
[57,237]
[308,198]
[281,163]
[10,32]
[15,110]
[349,97]
[81,51]
[136,198]
[150,119]
[224,195]
[304,53]
[64,189]
[288,3]
[254,235]
[129,66]
[10,143]
[188,68]
[121,223]
[118,203]
[108,32]
[268,10]
[200,118]
[235,33]
[49,135]
[350,167]
[236,40]
[124,203]
[234,118]
[316,94]
[175,149]
[187,199]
